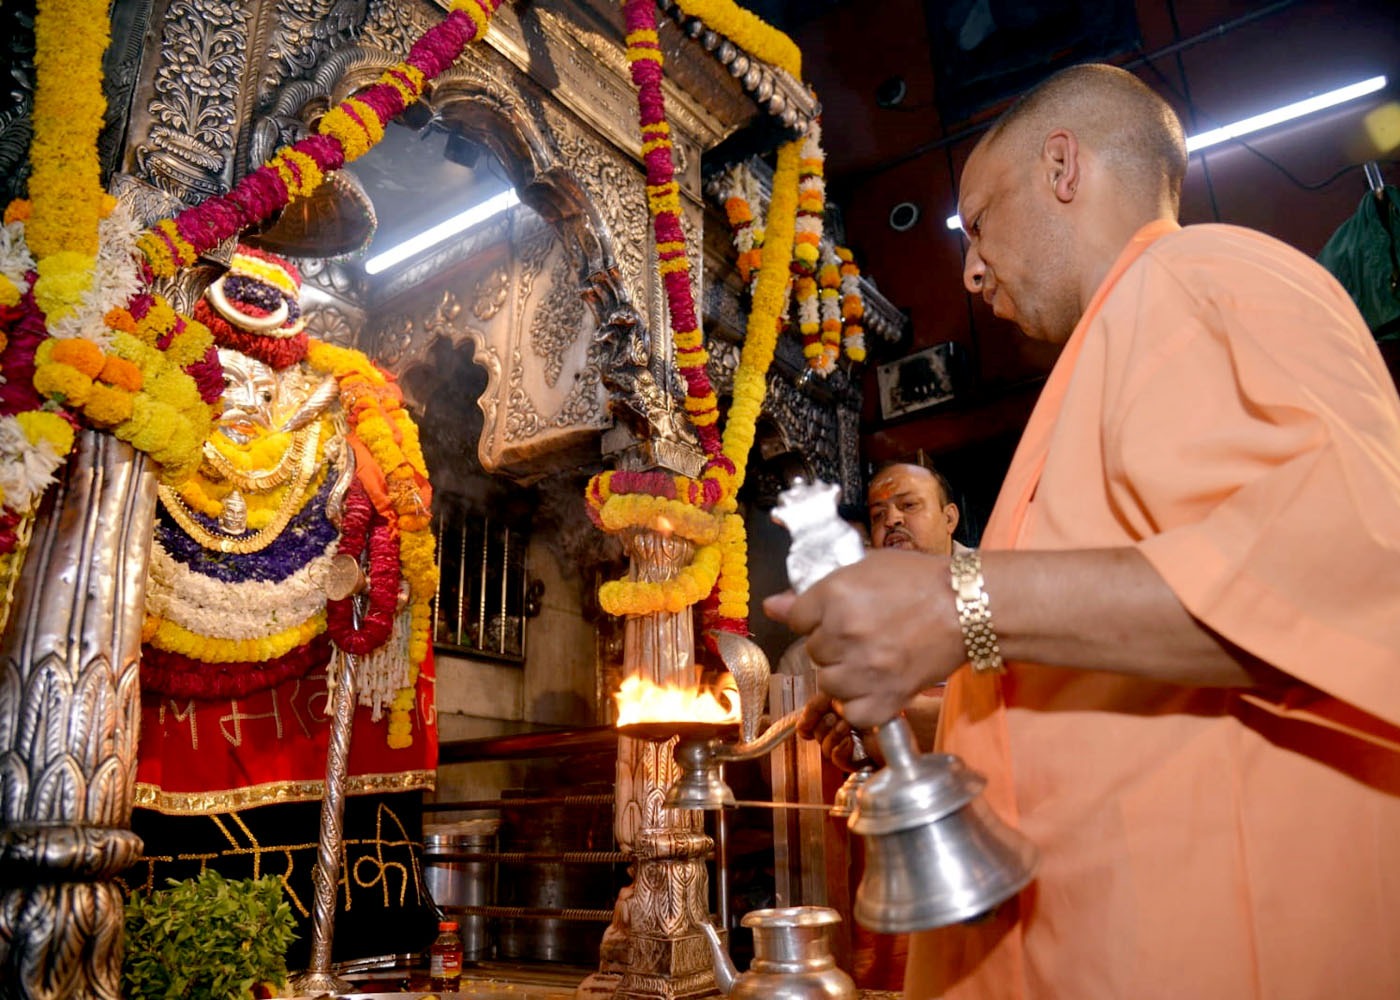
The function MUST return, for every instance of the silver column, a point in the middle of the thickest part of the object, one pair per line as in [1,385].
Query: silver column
[69,718]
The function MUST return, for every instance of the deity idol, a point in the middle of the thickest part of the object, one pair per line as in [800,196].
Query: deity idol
[313,457]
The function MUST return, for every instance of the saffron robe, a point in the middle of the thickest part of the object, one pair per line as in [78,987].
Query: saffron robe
[1222,407]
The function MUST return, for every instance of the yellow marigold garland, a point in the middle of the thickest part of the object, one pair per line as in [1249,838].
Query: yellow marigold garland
[852,306]
[719,569]
[748,31]
[65,186]
[689,587]
[135,391]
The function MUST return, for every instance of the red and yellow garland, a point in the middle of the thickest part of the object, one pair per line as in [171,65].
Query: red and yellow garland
[346,132]
[719,572]
[395,481]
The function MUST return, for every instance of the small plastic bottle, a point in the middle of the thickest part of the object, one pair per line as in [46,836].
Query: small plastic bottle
[445,958]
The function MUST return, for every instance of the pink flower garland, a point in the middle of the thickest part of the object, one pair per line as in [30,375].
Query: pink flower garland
[644,55]
[176,243]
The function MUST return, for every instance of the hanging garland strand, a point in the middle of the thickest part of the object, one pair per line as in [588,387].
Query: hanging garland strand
[719,572]
[663,200]
[65,186]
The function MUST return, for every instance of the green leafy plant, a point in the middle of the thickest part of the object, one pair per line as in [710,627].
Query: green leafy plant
[207,937]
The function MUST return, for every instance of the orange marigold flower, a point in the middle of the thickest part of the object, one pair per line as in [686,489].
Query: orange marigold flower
[79,353]
[121,374]
[17,211]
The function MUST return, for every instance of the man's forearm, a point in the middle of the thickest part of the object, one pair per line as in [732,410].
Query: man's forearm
[1107,609]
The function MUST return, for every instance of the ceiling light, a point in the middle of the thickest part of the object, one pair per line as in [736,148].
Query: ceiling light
[1287,113]
[459,223]
[1248,126]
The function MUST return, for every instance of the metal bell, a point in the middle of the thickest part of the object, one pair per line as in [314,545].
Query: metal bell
[935,853]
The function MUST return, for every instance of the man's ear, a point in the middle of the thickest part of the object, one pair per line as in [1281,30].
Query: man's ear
[950,511]
[1060,157]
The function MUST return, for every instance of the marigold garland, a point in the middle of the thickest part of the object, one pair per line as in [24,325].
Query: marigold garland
[164,634]
[748,31]
[663,201]
[852,306]
[829,281]
[65,186]
[134,389]
[373,404]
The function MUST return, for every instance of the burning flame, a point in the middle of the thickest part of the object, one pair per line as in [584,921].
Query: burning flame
[639,700]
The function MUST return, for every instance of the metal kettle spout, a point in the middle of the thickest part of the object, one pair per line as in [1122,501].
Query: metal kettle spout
[725,971]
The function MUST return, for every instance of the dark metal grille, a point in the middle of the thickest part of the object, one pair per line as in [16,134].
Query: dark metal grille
[480,605]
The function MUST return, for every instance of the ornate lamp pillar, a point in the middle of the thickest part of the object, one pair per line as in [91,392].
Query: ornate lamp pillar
[653,950]
[69,715]
[668,957]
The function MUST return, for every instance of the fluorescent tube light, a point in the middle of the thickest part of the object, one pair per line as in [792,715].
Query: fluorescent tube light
[1287,113]
[1248,126]
[460,222]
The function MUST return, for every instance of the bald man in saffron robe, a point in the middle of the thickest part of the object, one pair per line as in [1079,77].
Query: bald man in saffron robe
[1193,571]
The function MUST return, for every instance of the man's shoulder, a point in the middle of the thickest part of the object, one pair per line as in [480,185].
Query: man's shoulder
[1220,240]
[1212,260]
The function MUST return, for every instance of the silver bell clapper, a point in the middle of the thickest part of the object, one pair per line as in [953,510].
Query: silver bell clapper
[935,854]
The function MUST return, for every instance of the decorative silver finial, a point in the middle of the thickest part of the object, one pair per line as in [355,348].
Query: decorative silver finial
[821,540]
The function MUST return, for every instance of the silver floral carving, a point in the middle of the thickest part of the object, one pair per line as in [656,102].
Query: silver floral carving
[393,24]
[305,31]
[555,326]
[17,63]
[195,102]
[490,294]
[724,362]
[334,326]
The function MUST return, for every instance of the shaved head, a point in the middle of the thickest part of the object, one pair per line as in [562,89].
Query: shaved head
[1055,190]
[1112,112]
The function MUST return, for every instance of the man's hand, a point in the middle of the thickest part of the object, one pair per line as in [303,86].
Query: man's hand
[880,631]
[821,722]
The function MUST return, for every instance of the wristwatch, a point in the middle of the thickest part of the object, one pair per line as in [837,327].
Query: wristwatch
[974,612]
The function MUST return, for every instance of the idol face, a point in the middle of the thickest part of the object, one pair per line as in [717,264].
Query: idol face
[250,395]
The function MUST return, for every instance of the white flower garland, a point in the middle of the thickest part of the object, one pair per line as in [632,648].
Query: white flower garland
[252,609]
[830,310]
[16,262]
[116,277]
[26,469]
[853,334]
[385,671]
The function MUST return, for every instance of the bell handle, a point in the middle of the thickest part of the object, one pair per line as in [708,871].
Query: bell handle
[897,743]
